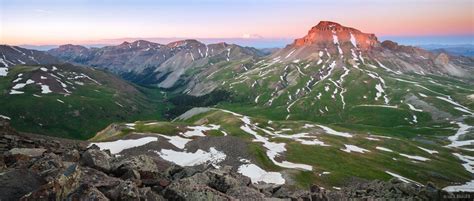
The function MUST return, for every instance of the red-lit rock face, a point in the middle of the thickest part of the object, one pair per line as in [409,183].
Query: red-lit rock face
[326,34]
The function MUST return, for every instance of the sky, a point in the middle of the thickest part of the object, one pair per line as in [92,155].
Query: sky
[250,22]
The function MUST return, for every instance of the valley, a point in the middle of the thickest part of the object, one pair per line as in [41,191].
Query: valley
[333,106]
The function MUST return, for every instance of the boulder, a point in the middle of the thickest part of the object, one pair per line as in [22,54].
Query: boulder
[21,157]
[16,183]
[97,159]
[224,179]
[59,188]
[179,191]
[30,152]
[49,166]
[98,179]
[140,167]
[210,184]
[71,155]
[125,190]
[87,192]
[177,172]
[147,194]
[245,193]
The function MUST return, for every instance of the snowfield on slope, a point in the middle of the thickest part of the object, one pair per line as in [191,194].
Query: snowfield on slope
[258,175]
[199,157]
[352,148]
[116,147]
[199,130]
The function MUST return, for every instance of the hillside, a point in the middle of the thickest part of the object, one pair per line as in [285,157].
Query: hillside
[334,105]
[65,100]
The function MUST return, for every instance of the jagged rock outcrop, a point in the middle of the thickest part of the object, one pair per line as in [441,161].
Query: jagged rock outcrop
[328,34]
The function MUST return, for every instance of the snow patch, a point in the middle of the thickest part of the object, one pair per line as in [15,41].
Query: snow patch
[45,89]
[258,175]
[372,139]
[459,106]
[192,159]
[4,117]
[455,142]
[333,132]
[418,158]
[289,54]
[352,148]
[3,72]
[120,145]
[403,179]
[428,150]
[16,92]
[353,40]
[177,141]
[413,108]
[469,166]
[384,149]
[273,149]
[199,130]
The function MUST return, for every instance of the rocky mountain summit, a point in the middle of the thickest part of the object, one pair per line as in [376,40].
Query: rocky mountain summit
[59,169]
[326,34]
[333,41]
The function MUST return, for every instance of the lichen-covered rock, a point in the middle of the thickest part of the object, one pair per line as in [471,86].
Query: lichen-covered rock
[71,155]
[49,166]
[59,188]
[245,193]
[147,194]
[30,152]
[177,172]
[125,190]
[87,192]
[140,167]
[224,179]
[98,159]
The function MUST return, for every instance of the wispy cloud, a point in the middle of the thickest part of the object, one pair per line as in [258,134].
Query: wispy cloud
[251,36]
[42,11]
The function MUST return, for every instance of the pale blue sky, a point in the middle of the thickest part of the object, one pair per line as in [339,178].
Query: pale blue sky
[89,21]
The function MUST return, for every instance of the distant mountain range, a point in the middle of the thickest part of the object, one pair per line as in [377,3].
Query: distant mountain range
[166,66]
[458,50]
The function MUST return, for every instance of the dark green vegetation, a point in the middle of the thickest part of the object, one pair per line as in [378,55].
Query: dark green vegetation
[89,107]
[182,102]
[83,112]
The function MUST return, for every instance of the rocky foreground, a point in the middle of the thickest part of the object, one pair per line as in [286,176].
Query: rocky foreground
[43,168]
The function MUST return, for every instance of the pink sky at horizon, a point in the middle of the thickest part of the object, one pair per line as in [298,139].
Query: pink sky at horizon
[53,22]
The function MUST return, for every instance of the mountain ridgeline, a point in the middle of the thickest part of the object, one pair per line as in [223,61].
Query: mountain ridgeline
[167,66]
